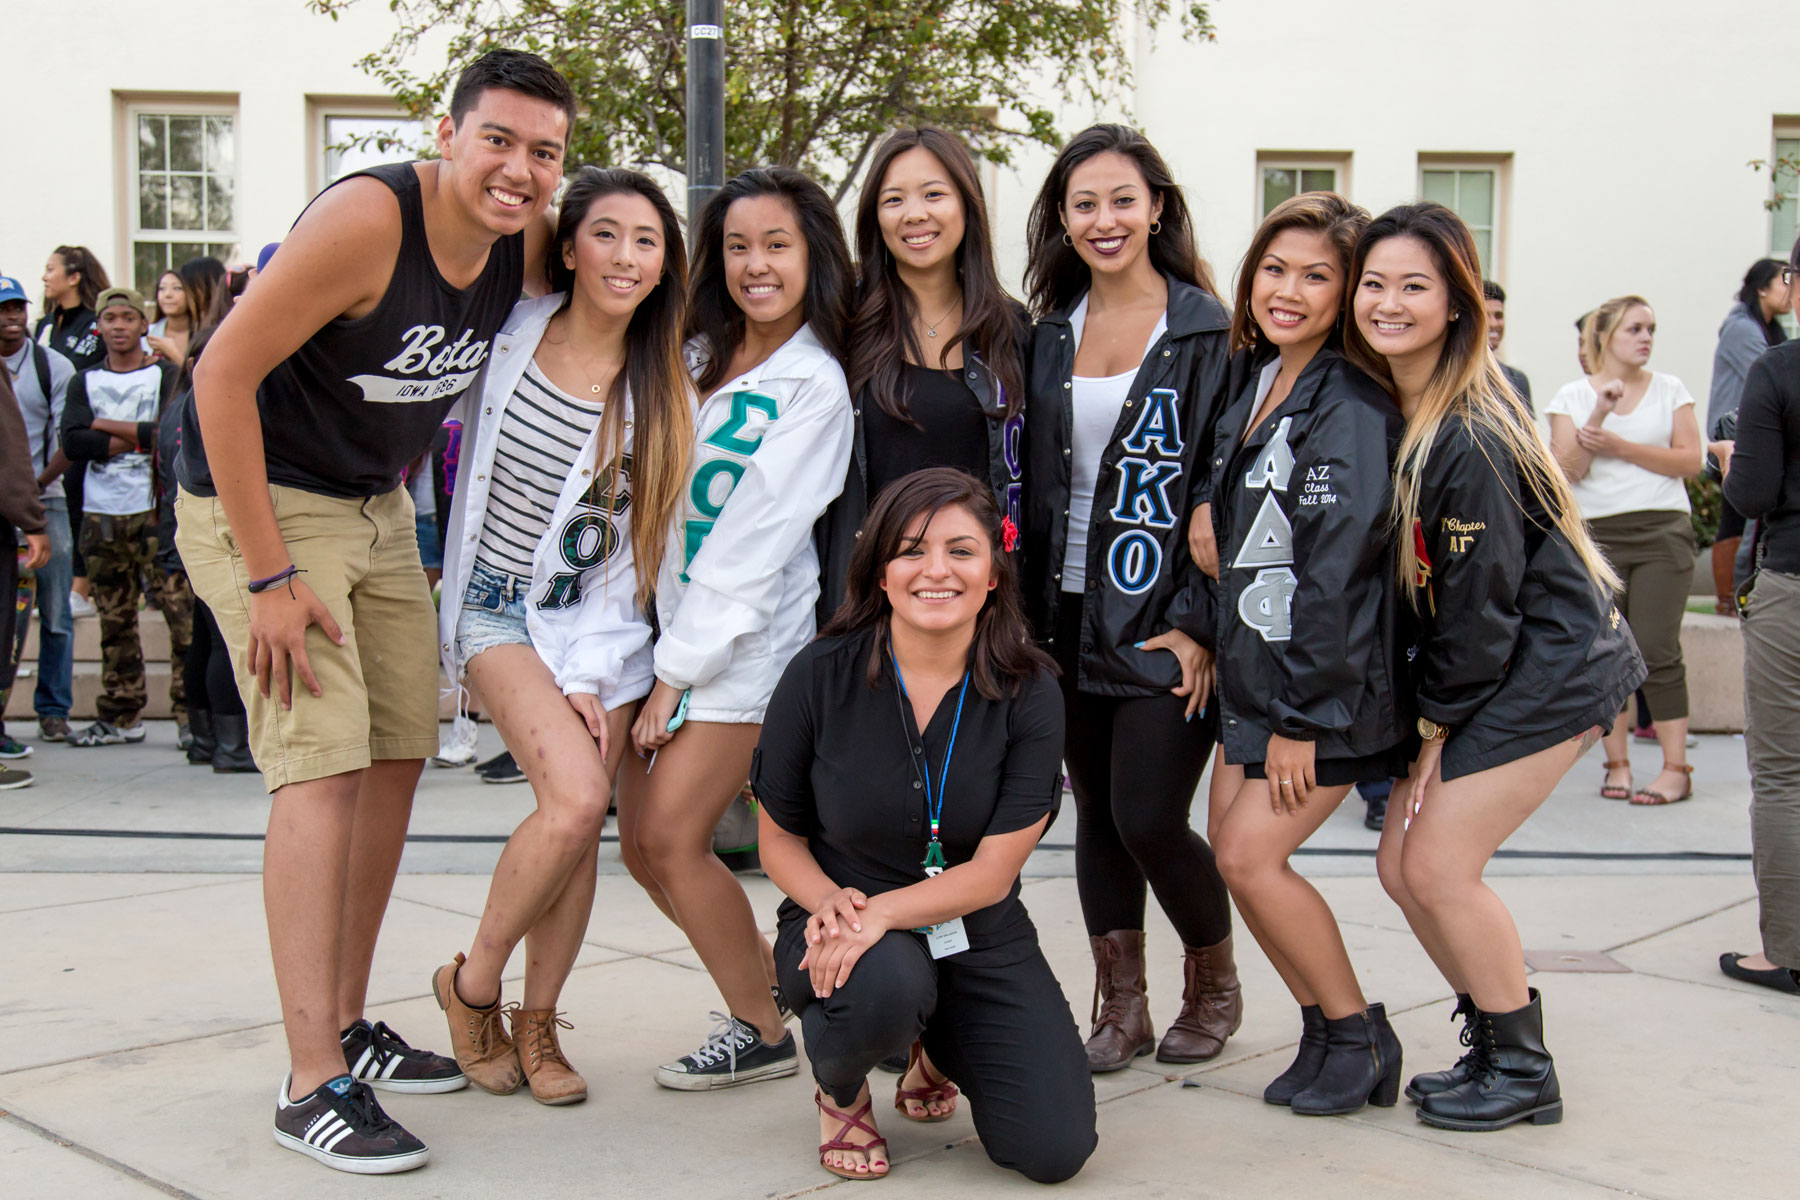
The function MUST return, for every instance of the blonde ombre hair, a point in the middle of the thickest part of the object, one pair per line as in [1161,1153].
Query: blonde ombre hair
[1598,327]
[1466,383]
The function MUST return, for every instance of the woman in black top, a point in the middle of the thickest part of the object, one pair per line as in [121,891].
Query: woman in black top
[1522,657]
[909,762]
[936,345]
[1309,642]
[73,281]
[1128,366]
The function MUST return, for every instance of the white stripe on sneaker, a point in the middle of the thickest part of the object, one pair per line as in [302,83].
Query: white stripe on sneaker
[325,1128]
[393,1064]
[360,1070]
[339,1136]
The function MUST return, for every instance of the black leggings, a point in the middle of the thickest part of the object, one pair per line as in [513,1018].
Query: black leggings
[1003,1034]
[206,671]
[1134,764]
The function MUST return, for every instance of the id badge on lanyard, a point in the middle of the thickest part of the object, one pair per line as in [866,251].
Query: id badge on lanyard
[949,937]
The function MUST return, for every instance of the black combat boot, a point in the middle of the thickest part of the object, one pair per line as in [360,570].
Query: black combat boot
[1512,1079]
[1442,1081]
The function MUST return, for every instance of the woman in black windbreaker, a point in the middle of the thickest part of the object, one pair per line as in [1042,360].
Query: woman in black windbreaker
[1522,657]
[1309,653]
[1127,367]
[936,346]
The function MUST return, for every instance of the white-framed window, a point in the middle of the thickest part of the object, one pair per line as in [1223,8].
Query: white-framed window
[349,133]
[1475,190]
[1282,176]
[1784,190]
[183,196]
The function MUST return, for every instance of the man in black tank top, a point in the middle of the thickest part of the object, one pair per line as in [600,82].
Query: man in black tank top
[331,375]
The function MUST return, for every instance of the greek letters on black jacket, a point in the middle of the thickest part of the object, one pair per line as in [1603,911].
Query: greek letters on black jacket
[71,332]
[835,534]
[1141,580]
[1309,632]
[1518,649]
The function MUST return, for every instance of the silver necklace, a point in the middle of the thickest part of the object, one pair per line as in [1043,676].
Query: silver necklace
[931,326]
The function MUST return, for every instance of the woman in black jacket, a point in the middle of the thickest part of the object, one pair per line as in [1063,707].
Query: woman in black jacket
[1522,657]
[936,346]
[1127,367]
[1309,652]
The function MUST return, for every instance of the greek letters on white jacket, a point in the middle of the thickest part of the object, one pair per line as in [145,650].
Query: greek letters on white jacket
[582,610]
[1141,580]
[738,584]
[1309,637]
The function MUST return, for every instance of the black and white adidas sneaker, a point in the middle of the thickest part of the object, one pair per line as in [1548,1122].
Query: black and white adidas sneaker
[734,1054]
[379,1057]
[342,1126]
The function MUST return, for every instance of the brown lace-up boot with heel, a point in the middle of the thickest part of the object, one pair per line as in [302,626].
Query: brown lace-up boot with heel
[1121,1016]
[1212,1006]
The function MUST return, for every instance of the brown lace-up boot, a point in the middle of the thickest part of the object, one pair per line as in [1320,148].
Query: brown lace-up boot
[1121,1017]
[1212,1006]
[477,1035]
[552,1079]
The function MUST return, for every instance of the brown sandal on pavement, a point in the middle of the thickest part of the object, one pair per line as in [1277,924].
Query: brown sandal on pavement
[1616,793]
[939,1091]
[1647,797]
[851,1121]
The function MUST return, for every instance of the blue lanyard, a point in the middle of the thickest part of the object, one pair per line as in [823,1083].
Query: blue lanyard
[934,802]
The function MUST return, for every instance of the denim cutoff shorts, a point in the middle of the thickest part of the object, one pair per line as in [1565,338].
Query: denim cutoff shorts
[493,612]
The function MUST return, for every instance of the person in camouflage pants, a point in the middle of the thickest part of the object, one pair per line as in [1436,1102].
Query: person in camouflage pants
[121,557]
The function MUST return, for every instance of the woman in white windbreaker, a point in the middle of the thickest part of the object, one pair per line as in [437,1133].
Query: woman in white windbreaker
[576,443]
[735,595]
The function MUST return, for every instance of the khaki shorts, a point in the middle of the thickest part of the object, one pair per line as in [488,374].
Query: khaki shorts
[380,689]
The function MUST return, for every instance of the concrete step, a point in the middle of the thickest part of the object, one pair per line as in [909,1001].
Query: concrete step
[152,629]
[86,690]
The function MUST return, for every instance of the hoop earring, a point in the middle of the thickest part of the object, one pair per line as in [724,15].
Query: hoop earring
[1155,228]
[1068,241]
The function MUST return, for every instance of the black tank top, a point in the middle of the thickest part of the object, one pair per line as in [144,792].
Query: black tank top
[360,399]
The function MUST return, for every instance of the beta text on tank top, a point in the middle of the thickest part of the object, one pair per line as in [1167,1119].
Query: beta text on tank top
[361,398]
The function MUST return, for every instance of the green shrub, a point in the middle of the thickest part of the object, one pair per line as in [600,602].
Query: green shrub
[1703,503]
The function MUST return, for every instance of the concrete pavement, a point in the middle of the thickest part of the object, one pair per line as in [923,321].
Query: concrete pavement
[139,1053]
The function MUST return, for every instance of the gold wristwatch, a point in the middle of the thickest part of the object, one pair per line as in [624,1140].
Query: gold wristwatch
[1431,731]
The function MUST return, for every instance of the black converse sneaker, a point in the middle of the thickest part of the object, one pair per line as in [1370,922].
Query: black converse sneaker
[735,1053]
[379,1057]
[343,1127]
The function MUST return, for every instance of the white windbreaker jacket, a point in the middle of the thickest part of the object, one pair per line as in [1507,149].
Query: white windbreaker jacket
[736,592]
[582,610]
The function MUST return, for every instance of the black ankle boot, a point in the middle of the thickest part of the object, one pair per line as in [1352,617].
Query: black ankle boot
[1307,1062]
[1362,1066]
[200,725]
[1512,1079]
[231,752]
[1433,1082]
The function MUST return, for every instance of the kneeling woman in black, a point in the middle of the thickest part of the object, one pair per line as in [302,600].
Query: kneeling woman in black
[909,762]
[1309,640]
[1522,658]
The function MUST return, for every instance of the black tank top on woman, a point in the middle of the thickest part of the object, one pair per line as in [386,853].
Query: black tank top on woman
[361,398]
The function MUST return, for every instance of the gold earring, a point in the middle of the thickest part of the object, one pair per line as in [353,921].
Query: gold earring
[1155,228]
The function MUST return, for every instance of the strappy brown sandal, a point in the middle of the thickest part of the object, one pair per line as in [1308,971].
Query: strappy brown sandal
[1615,793]
[1648,797]
[851,1121]
[939,1091]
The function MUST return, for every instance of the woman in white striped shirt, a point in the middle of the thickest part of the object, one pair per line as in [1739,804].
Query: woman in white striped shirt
[576,449]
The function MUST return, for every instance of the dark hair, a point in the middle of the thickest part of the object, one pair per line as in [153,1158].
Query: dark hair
[209,295]
[714,317]
[1492,291]
[1325,213]
[81,260]
[515,71]
[881,331]
[1003,657]
[1054,272]
[663,421]
[1755,280]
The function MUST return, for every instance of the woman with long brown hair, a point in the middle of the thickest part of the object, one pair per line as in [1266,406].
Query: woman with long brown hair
[1522,658]
[579,435]
[1309,637]
[936,346]
[1127,371]
[909,762]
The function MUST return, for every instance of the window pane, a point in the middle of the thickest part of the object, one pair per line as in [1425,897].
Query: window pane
[1438,187]
[148,259]
[153,143]
[153,202]
[1318,179]
[222,251]
[221,147]
[389,139]
[186,135]
[218,202]
[180,252]
[185,198]
[1278,185]
[1475,197]
[1784,223]
[1484,250]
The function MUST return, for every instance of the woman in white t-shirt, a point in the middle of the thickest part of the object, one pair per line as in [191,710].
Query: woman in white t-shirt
[1627,436]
